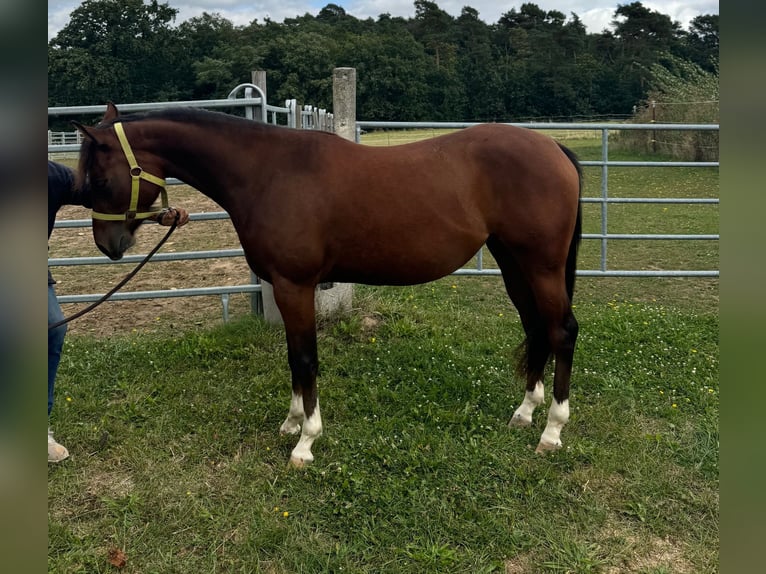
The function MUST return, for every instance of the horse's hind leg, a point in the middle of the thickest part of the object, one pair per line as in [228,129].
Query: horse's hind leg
[535,351]
[555,306]
[296,304]
[539,293]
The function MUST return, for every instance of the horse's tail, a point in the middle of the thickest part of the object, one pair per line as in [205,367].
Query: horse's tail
[534,353]
[574,244]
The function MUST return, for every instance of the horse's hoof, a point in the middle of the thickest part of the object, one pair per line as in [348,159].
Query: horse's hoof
[546,447]
[519,423]
[289,430]
[297,463]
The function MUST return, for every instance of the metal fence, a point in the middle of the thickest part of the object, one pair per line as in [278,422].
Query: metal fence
[250,98]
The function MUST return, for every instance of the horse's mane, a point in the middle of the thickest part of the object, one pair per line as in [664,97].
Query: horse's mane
[203,116]
[181,115]
[83,164]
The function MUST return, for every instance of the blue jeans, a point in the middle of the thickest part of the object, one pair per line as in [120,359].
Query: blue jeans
[55,342]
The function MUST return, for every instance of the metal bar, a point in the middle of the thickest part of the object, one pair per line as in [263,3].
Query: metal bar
[223,253]
[604,194]
[225,306]
[71,223]
[690,201]
[147,106]
[642,236]
[179,256]
[587,163]
[217,215]
[160,294]
[607,273]
[539,126]
[206,291]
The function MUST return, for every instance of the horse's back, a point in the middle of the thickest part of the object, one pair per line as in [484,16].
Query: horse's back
[416,212]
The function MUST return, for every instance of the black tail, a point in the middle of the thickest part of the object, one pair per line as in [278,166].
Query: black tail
[574,246]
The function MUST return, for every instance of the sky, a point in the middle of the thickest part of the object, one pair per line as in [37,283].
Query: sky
[595,14]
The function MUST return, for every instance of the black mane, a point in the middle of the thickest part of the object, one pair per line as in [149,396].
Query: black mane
[182,115]
[202,116]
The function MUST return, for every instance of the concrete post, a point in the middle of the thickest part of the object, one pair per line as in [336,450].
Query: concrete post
[257,304]
[344,102]
[258,78]
[336,297]
[329,298]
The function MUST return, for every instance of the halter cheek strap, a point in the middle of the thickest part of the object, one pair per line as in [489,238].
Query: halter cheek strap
[136,175]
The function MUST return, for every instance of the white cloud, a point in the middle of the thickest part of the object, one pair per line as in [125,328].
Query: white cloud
[595,14]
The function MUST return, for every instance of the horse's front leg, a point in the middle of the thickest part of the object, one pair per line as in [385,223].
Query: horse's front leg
[295,416]
[296,303]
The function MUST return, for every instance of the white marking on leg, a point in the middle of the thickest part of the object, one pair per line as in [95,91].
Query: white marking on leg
[312,428]
[532,399]
[295,417]
[558,415]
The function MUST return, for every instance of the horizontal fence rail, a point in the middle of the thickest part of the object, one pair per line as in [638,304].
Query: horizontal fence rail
[313,118]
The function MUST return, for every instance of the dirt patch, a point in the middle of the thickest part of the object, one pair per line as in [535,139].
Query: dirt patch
[110,484]
[161,314]
[519,565]
[643,552]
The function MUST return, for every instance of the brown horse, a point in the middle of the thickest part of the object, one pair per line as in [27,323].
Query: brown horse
[311,207]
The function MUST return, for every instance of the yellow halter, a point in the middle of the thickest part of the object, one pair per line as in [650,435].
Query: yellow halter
[136,174]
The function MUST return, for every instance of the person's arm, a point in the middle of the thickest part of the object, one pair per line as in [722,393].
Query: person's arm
[167,216]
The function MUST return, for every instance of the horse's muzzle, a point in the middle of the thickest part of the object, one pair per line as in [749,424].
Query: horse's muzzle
[114,256]
[116,247]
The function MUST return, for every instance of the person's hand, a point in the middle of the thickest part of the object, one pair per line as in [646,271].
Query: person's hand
[167,216]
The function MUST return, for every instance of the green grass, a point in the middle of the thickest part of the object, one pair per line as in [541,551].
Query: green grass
[177,461]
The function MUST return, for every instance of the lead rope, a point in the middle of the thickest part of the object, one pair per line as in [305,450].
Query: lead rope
[119,285]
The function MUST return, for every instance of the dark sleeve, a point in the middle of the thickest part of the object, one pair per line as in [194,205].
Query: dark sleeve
[60,190]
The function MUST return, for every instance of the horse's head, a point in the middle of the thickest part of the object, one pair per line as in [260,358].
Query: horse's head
[118,176]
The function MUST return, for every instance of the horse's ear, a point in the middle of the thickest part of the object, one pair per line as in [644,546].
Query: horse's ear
[89,133]
[111,112]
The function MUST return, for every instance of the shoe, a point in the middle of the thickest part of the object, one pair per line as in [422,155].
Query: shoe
[56,452]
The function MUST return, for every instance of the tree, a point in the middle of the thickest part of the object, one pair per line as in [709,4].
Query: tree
[431,27]
[532,63]
[219,55]
[109,51]
[392,71]
[642,35]
[703,42]
[477,68]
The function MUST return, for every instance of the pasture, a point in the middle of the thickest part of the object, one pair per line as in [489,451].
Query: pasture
[177,464]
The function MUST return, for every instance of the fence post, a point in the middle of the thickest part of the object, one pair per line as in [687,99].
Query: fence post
[256,299]
[344,102]
[258,78]
[339,296]
[329,298]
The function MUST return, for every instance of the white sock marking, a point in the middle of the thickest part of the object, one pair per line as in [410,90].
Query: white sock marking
[312,428]
[532,399]
[558,415]
[295,417]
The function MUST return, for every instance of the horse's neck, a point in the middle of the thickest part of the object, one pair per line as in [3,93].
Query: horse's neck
[201,157]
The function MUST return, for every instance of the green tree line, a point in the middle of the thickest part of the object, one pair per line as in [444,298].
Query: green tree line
[530,64]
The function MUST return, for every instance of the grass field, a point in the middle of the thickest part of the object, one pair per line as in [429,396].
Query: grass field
[177,464]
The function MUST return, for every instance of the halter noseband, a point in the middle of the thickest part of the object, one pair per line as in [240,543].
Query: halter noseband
[136,175]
